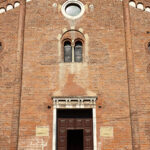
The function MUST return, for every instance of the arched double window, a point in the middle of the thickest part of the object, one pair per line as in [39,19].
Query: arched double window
[73,51]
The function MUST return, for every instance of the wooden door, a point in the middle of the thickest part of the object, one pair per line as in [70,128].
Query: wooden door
[88,134]
[75,124]
[62,135]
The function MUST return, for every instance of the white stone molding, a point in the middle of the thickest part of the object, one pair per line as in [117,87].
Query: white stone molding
[63,9]
[94,130]
[54,129]
[74,103]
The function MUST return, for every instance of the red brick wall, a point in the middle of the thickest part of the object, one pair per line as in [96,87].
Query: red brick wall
[103,71]
[140,22]
[8,37]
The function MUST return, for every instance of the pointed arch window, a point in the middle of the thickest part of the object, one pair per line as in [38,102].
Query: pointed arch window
[78,51]
[67,51]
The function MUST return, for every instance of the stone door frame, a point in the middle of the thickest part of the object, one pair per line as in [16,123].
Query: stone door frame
[74,103]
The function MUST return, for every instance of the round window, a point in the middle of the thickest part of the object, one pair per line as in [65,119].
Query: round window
[73,9]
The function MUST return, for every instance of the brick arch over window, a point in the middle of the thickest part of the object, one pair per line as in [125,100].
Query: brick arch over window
[73,34]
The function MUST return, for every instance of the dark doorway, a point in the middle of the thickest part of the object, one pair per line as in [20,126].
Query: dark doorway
[74,139]
[74,113]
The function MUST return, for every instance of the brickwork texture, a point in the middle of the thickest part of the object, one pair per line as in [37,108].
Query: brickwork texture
[115,68]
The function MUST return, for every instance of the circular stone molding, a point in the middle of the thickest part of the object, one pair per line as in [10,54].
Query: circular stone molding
[73,9]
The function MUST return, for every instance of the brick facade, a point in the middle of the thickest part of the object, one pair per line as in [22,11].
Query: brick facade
[115,69]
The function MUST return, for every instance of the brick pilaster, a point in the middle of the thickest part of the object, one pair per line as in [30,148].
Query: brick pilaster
[131,78]
[18,79]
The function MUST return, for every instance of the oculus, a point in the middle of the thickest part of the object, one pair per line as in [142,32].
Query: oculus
[73,9]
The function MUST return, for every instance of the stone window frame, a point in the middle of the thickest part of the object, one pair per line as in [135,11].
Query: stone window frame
[74,103]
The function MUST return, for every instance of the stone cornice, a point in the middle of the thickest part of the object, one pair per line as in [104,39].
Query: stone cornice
[74,102]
